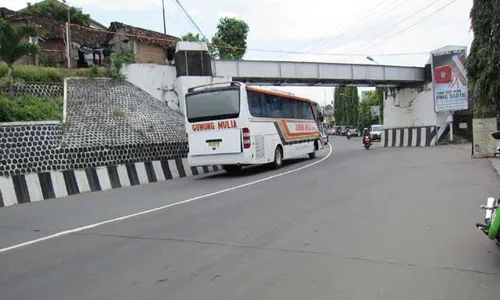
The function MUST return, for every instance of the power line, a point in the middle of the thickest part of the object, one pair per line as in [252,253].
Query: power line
[410,26]
[190,18]
[331,32]
[173,40]
[363,23]
[398,23]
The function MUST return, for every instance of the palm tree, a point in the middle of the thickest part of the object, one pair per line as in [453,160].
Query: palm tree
[13,47]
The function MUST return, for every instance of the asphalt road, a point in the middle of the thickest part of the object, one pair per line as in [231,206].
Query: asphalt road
[378,224]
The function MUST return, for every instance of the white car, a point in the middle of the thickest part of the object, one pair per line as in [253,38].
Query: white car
[325,137]
[376,132]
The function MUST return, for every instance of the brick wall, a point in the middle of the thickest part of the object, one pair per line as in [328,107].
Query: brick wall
[145,53]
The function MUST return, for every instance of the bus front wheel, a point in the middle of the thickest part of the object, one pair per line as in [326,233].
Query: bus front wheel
[313,154]
[278,158]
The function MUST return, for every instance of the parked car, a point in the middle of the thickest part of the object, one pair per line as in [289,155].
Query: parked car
[354,132]
[376,132]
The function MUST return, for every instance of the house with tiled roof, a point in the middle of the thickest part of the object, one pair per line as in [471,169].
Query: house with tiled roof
[51,35]
[148,46]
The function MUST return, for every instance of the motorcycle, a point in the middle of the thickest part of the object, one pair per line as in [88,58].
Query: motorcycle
[491,226]
[348,135]
[367,142]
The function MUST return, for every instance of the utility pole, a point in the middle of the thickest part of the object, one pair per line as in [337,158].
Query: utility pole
[164,21]
[68,36]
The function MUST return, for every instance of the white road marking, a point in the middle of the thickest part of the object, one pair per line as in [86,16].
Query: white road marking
[144,212]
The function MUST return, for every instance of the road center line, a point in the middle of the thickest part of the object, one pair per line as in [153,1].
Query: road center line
[144,212]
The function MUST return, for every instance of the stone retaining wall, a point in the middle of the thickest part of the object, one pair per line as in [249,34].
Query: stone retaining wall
[41,89]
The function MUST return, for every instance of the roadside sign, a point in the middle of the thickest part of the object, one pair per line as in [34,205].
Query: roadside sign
[449,79]
[375,111]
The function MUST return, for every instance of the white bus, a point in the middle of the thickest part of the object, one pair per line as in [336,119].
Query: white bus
[234,125]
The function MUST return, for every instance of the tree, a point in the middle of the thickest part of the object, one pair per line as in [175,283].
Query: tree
[57,11]
[483,62]
[230,40]
[346,104]
[13,46]
[365,114]
[191,37]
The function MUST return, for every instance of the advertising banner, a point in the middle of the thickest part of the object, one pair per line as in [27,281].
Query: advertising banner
[449,80]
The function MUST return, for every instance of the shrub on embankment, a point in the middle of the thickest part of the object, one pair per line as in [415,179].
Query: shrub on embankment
[30,108]
[27,73]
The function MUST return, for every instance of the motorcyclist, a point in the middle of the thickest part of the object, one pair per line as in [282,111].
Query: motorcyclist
[366,133]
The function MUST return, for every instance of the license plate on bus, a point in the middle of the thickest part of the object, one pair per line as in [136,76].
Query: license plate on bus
[214,144]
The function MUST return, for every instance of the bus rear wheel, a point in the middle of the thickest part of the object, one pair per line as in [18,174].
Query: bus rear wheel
[232,169]
[278,158]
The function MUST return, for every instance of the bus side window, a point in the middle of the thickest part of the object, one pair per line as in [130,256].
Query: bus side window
[306,111]
[288,108]
[256,105]
[273,107]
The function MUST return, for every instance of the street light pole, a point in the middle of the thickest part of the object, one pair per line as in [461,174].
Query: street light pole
[371,59]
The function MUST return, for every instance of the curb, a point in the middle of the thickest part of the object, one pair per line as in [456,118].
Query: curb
[25,188]
[495,165]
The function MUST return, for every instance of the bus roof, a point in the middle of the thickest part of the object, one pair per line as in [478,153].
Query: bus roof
[276,93]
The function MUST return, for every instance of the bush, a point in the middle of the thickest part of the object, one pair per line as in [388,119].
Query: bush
[26,73]
[30,108]
[33,74]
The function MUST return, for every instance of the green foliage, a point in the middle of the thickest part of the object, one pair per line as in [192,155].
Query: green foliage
[230,40]
[30,108]
[94,71]
[25,73]
[58,11]
[33,74]
[365,113]
[117,112]
[119,59]
[483,62]
[191,37]
[45,60]
[13,46]
[346,102]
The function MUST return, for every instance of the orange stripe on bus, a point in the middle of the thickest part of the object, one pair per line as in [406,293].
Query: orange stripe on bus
[274,93]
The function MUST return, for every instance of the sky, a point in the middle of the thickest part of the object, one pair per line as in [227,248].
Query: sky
[392,32]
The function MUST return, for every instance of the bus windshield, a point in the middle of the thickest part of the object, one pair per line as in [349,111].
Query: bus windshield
[213,105]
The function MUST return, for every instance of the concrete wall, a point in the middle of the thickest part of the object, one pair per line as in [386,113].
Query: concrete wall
[161,82]
[412,109]
[157,80]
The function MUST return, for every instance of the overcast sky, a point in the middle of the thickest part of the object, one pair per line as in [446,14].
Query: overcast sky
[347,30]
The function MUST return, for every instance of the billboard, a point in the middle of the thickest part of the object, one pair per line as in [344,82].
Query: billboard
[449,79]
